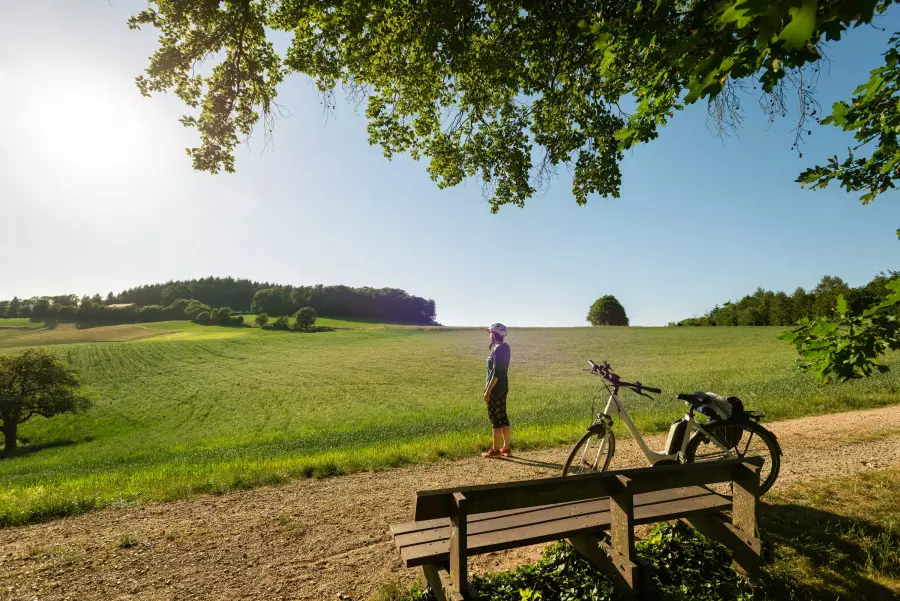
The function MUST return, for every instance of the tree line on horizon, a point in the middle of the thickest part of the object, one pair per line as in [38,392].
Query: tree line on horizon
[768,308]
[166,301]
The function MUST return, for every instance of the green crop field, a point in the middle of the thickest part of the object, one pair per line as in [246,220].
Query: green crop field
[183,409]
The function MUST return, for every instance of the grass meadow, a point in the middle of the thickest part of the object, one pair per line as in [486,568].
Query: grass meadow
[182,409]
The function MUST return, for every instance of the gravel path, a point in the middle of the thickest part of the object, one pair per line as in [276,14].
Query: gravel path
[327,539]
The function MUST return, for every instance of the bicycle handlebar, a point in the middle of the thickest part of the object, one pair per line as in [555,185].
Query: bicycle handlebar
[605,372]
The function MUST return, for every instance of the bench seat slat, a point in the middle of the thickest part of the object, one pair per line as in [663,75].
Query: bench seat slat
[641,499]
[509,529]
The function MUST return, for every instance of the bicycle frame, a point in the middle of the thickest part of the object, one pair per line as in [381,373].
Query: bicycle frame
[615,408]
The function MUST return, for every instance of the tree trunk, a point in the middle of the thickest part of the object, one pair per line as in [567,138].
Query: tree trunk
[9,437]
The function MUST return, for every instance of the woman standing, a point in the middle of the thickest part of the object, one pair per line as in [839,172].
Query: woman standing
[496,389]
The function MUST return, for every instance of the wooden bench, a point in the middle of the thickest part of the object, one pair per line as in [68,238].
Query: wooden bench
[456,523]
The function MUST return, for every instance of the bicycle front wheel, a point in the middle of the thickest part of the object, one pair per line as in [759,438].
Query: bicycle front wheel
[592,453]
[743,440]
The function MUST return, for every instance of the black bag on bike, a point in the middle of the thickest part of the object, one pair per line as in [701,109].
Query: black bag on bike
[723,427]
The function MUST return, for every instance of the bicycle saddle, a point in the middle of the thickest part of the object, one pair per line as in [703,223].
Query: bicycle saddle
[696,398]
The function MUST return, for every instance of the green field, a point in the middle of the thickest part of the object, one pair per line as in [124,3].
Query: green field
[18,323]
[182,409]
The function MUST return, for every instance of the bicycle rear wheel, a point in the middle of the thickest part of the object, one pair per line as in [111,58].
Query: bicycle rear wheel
[592,453]
[743,440]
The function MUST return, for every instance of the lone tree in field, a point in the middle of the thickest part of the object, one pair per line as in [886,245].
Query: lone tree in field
[262,319]
[607,311]
[305,318]
[35,383]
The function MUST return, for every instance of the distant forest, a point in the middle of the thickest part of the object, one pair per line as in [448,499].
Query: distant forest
[150,302]
[767,308]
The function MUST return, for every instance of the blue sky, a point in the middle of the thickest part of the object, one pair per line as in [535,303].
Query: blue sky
[96,194]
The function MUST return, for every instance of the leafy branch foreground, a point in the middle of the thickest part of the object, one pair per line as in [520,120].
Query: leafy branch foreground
[484,90]
[849,346]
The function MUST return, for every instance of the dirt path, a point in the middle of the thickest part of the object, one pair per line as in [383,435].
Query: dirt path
[327,539]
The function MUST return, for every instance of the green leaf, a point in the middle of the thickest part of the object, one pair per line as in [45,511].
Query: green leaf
[841,307]
[799,31]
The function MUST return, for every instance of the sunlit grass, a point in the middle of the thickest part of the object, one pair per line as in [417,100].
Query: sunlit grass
[206,408]
[19,322]
[838,538]
[70,334]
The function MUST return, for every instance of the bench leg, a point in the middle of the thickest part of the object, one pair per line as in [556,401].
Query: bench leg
[437,577]
[627,574]
[746,550]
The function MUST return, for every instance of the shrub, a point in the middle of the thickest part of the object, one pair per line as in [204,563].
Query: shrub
[66,313]
[194,308]
[236,321]
[203,318]
[222,316]
[281,323]
[262,319]
[305,318]
[683,565]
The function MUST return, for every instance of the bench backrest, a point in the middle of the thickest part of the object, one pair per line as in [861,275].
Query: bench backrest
[433,504]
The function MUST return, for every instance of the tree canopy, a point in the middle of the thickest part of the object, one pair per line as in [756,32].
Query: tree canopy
[305,318]
[175,299]
[607,311]
[768,308]
[507,92]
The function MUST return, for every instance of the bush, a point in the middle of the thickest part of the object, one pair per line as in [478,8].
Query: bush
[222,316]
[262,319]
[305,318]
[237,321]
[194,308]
[203,318]
[66,313]
[683,565]
[281,323]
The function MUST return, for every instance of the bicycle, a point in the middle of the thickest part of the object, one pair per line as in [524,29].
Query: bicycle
[721,437]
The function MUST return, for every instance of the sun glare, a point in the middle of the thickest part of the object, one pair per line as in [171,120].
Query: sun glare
[87,127]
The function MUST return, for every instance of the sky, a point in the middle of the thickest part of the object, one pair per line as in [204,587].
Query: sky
[97,194]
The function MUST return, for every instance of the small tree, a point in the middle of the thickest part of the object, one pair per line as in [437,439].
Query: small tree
[607,311]
[203,318]
[305,318]
[262,319]
[194,308]
[222,316]
[35,383]
[281,323]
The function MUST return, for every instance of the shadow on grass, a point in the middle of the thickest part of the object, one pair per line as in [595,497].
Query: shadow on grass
[830,556]
[29,449]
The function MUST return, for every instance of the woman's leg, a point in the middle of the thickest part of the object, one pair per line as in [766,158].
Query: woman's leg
[507,443]
[498,433]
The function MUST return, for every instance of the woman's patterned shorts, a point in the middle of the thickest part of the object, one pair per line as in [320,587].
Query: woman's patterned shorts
[497,409]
